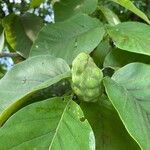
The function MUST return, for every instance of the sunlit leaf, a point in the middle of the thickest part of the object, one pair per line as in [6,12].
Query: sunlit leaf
[51,124]
[129,92]
[67,39]
[131,36]
[36,3]
[27,78]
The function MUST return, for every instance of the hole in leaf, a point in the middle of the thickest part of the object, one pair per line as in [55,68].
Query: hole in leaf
[82,119]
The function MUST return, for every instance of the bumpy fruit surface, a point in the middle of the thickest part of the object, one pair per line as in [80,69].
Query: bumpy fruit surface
[86,78]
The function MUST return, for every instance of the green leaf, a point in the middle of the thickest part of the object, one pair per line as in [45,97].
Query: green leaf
[129,92]
[27,78]
[35,3]
[67,39]
[2,41]
[21,31]
[131,36]
[101,52]
[110,133]
[32,25]
[64,9]
[51,124]
[2,36]
[2,71]
[118,58]
[129,5]
[110,16]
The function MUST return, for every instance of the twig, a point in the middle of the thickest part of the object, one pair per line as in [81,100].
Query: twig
[12,55]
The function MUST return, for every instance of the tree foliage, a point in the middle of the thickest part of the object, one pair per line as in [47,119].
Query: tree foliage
[79,82]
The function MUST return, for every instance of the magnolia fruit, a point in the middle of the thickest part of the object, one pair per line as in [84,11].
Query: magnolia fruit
[86,78]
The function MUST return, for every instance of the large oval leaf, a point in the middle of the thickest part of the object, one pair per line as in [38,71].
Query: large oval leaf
[26,78]
[110,133]
[67,39]
[129,92]
[131,36]
[51,124]
[64,9]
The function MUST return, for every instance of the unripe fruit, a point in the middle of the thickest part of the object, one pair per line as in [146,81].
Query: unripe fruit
[86,78]
[90,83]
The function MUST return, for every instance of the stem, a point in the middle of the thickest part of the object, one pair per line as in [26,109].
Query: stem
[12,55]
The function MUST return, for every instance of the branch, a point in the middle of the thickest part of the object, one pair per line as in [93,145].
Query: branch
[12,55]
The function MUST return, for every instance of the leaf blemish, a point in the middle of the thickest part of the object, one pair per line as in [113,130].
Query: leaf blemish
[24,81]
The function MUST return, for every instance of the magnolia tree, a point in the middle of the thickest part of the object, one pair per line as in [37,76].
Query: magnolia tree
[82,82]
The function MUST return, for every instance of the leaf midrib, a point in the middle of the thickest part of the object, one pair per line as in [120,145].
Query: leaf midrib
[136,102]
[59,123]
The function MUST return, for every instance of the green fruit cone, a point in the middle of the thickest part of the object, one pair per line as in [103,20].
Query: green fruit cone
[86,78]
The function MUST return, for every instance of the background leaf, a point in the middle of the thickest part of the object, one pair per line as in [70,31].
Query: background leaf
[129,92]
[131,36]
[67,39]
[129,5]
[36,3]
[21,31]
[110,16]
[26,78]
[101,52]
[64,9]
[32,25]
[117,58]
[2,41]
[50,124]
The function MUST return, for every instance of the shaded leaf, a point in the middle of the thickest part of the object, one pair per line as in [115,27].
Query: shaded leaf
[118,58]
[64,9]
[110,16]
[101,52]
[110,133]
[21,31]
[32,25]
